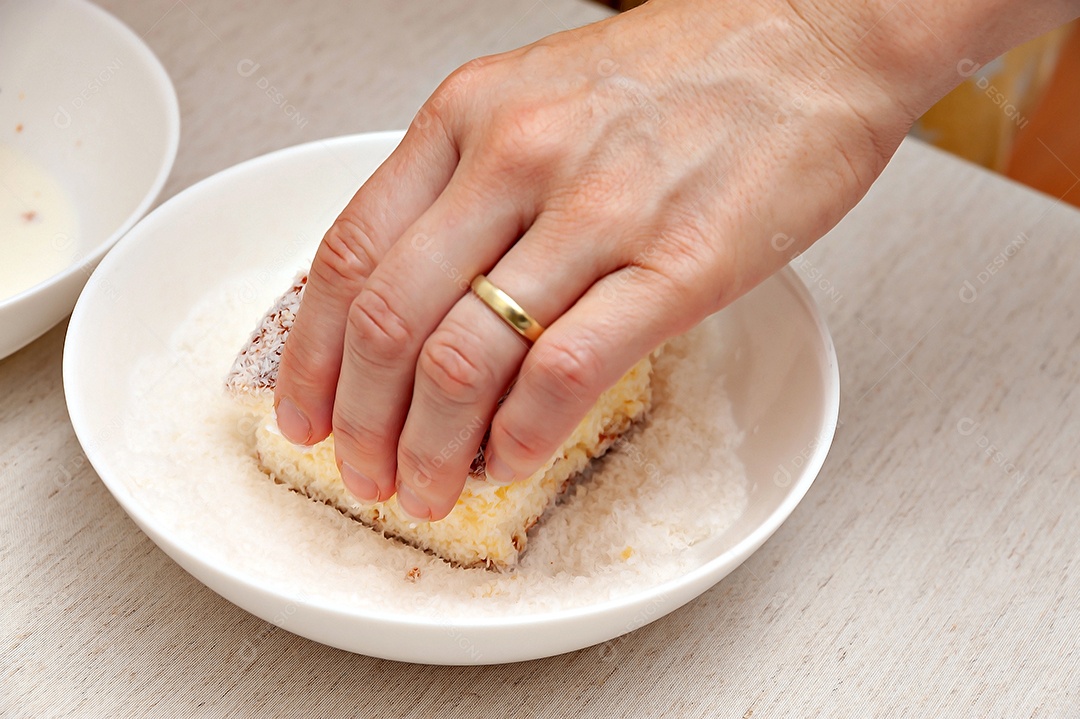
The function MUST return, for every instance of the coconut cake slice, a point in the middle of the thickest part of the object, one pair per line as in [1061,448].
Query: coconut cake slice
[489,525]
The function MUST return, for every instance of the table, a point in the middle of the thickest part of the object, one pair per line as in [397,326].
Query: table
[932,568]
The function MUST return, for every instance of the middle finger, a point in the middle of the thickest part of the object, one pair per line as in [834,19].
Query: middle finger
[419,279]
[473,356]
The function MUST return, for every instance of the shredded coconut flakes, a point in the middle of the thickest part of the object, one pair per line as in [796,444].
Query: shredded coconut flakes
[673,483]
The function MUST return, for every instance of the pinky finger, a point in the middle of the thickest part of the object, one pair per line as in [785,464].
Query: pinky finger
[617,322]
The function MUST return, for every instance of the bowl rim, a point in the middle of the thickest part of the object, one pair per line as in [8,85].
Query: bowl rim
[179,551]
[86,262]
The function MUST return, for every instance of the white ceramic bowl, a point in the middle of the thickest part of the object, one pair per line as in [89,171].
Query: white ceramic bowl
[84,99]
[777,358]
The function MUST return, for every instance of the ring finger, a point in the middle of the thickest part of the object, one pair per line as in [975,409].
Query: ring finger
[473,356]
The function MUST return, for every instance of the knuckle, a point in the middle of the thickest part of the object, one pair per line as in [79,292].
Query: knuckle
[419,470]
[668,291]
[691,298]
[301,368]
[675,273]
[452,92]
[449,369]
[376,331]
[522,443]
[348,252]
[567,372]
[467,73]
[355,436]
[524,137]
[686,273]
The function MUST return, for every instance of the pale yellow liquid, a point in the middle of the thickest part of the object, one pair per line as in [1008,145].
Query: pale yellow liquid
[38,230]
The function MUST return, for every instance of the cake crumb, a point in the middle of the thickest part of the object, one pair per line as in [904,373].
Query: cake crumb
[413,575]
[627,553]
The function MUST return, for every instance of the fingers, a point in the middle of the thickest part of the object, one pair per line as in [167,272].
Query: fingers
[399,191]
[469,361]
[463,369]
[618,321]
[403,300]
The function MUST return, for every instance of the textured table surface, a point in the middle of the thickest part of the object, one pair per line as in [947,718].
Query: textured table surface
[934,567]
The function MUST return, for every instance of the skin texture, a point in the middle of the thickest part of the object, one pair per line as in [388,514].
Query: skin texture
[621,181]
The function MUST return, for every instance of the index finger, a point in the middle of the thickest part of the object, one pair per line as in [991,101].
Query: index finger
[398,192]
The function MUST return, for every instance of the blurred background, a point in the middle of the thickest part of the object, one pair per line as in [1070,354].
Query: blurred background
[1016,115]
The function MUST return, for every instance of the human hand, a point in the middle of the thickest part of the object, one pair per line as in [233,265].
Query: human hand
[621,181]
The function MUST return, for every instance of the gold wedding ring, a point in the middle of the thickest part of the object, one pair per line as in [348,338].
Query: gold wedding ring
[504,306]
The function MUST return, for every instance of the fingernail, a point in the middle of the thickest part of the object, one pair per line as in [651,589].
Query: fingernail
[497,471]
[358,485]
[411,505]
[292,422]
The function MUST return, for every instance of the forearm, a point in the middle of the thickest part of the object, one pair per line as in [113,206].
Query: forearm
[920,49]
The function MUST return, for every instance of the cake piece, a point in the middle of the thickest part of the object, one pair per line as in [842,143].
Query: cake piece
[489,524]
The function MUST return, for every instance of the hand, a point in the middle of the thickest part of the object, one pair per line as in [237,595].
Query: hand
[621,181]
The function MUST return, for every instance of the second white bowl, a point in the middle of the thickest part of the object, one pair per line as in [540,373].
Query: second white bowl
[89,127]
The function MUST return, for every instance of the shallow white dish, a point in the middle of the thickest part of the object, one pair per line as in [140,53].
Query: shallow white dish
[84,100]
[263,217]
